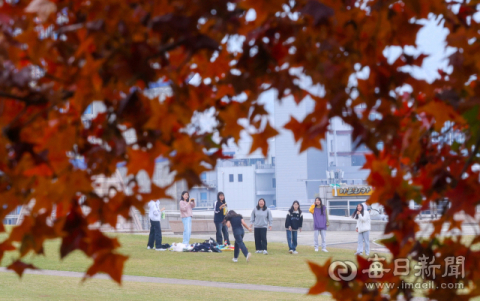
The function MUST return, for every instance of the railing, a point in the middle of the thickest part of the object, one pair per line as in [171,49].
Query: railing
[264,166]
[204,205]
[342,181]
[210,183]
[10,219]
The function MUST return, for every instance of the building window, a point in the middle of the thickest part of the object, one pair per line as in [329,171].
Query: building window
[203,196]
[274,183]
[331,146]
[230,178]
[203,176]
[358,160]
[240,177]
[273,161]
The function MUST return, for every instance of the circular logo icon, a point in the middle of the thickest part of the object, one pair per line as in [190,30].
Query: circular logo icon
[345,270]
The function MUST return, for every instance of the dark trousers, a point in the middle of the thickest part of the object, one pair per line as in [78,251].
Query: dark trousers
[292,240]
[155,235]
[221,228]
[260,238]
[239,244]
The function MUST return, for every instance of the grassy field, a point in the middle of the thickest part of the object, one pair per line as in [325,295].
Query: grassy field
[278,268]
[36,287]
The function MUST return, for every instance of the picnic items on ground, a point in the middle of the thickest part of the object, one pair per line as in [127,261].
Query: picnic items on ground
[209,245]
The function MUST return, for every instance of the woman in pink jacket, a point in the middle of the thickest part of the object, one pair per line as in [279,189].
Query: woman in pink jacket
[186,206]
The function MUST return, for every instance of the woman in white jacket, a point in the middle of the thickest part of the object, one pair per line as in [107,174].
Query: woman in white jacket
[155,236]
[363,228]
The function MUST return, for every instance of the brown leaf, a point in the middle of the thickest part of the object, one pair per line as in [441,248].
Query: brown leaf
[19,267]
[260,140]
[109,263]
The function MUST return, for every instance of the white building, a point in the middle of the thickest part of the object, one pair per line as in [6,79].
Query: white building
[298,176]
[205,195]
[238,185]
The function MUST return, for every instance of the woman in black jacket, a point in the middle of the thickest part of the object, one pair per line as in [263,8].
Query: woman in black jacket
[293,223]
[218,217]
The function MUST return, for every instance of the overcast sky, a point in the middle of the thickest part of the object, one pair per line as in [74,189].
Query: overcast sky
[430,41]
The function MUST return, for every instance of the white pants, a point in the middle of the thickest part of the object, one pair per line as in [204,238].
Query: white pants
[364,236]
[324,236]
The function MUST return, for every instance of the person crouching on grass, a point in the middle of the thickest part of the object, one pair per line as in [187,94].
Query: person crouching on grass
[293,223]
[363,228]
[236,222]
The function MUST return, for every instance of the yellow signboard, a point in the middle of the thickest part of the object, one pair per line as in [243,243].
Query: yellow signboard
[352,191]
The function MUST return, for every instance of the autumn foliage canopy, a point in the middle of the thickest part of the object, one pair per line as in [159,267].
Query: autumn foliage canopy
[110,51]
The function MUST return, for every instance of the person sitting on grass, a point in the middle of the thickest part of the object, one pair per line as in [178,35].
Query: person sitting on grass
[236,222]
[293,224]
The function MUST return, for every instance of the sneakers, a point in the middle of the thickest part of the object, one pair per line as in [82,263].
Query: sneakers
[295,252]
[291,251]
[235,260]
[148,248]
[160,249]
[248,256]
[316,249]
[324,250]
[265,252]
[357,253]
[258,251]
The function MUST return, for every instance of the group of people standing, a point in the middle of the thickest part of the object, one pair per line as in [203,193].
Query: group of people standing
[154,214]
[260,220]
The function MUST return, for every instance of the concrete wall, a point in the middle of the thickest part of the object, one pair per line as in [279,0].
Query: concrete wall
[264,181]
[238,195]
[316,167]
[290,166]
[204,223]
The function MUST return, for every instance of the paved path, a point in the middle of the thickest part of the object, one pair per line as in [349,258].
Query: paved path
[255,287]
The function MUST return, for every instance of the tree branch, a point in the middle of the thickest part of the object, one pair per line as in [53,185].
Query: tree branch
[7,95]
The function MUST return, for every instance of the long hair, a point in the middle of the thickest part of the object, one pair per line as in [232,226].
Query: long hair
[321,204]
[264,204]
[231,214]
[183,193]
[361,211]
[291,208]
[218,196]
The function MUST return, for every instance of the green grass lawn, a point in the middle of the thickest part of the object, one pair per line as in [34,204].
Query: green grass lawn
[278,268]
[37,287]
